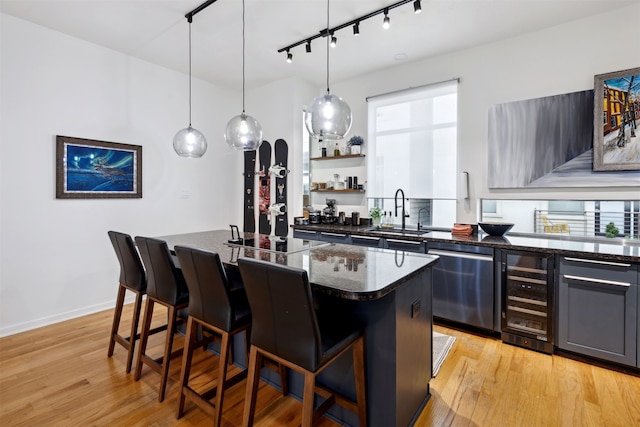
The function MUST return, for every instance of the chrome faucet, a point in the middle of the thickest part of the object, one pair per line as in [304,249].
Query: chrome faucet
[419,212]
[404,214]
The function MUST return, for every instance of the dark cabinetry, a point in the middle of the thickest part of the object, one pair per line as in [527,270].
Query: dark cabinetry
[463,289]
[349,239]
[598,309]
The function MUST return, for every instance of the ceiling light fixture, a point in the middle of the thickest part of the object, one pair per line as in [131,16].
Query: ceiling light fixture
[189,142]
[355,23]
[289,57]
[386,22]
[243,132]
[329,116]
[334,40]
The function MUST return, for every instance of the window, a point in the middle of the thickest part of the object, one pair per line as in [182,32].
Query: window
[413,146]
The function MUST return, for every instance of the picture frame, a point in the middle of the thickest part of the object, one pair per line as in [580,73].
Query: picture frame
[616,120]
[92,169]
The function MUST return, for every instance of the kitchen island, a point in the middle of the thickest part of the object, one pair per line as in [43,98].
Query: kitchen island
[389,295]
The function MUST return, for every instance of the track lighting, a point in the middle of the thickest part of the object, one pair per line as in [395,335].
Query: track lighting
[329,32]
[289,57]
[386,22]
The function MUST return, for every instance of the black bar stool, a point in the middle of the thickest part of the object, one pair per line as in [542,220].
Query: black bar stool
[165,286]
[286,329]
[214,306]
[134,279]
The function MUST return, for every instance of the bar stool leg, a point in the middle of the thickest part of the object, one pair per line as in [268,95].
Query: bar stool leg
[222,377]
[255,361]
[144,336]
[137,305]
[358,370]
[308,398]
[166,359]
[116,319]
[189,340]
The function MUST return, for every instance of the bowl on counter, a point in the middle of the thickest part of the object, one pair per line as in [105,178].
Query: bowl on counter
[495,228]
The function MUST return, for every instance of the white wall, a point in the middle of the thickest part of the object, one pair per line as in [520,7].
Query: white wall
[56,260]
[557,60]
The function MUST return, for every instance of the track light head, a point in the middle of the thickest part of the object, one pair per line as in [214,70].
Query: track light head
[417,8]
[386,22]
[308,46]
[289,57]
[356,29]
[334,41]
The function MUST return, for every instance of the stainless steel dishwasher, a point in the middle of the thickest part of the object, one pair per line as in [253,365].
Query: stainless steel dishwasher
[463,287]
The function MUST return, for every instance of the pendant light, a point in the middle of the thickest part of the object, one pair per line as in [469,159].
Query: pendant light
[243,132]
[328,116]
[189,142]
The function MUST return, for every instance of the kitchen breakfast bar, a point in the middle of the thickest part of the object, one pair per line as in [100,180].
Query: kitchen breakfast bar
[388,292]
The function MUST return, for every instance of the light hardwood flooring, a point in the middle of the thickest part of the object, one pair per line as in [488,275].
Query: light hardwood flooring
[60,375]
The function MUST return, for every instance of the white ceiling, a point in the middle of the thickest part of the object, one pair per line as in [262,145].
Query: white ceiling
[156,31]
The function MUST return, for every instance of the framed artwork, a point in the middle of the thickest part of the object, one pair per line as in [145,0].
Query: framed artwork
[90,169]
[616,115]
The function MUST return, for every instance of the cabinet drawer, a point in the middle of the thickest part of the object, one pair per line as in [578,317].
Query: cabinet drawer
[594,269]
[374,242]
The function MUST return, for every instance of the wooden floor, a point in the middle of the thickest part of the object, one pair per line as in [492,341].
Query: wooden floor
[60,375]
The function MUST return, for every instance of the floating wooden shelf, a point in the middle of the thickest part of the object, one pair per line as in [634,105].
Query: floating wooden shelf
[337,191]
[346,156]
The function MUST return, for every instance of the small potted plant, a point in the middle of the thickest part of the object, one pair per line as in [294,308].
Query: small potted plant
[354,144]
[375,214]
[612,231]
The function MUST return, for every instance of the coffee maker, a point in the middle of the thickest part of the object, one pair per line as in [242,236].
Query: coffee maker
[329,213]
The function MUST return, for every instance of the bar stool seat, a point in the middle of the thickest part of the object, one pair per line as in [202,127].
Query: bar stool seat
[216,307]
[165,286]
[287,329]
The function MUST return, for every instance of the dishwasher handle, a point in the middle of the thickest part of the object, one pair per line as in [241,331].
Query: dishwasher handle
[465,255]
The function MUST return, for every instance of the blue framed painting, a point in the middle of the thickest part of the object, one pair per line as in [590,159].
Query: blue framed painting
[90,169]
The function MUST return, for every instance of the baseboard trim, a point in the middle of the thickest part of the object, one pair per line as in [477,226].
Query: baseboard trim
[59,317]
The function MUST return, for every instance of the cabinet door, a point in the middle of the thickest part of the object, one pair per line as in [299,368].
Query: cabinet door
[598,309]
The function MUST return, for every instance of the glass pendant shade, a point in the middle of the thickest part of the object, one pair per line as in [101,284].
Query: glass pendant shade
[189,142]
[328,117]
[243,133]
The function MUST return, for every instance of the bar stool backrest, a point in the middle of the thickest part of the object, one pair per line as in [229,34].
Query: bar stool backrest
[209,296]
[132,272]
[165,281]
[284,320]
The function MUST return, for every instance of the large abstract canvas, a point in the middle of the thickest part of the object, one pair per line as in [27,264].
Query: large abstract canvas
[547,142]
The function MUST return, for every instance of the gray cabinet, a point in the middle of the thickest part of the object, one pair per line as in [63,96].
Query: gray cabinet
[369,241]
[463,284]
[598,309]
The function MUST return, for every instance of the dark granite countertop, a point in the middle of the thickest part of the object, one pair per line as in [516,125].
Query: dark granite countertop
[598,248]
[344,271]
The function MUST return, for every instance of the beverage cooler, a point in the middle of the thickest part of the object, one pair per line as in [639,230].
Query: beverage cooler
[527,300]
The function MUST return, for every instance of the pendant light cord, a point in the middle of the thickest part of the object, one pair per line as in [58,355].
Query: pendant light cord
[327,47]
[189,73]
[243,43]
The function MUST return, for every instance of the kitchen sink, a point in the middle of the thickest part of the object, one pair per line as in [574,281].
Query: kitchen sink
[397,231]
